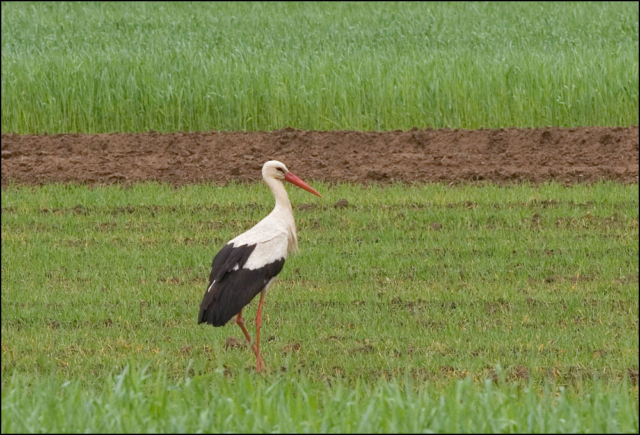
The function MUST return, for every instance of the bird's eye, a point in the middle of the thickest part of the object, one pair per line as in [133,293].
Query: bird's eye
[280,169]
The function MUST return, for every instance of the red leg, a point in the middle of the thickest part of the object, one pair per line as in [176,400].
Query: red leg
[240,322]
[260,364]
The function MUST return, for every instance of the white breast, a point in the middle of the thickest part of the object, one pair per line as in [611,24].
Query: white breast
[272,240]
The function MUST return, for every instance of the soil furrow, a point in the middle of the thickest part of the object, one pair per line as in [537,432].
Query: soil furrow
[567,155]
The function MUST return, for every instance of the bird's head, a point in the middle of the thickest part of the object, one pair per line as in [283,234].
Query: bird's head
[274,169]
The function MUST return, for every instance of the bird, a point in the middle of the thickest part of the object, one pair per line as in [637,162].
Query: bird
[248,264]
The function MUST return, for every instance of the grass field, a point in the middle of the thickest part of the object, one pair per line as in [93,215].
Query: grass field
[391,303]
[140,403]
[417,308]
[131,67]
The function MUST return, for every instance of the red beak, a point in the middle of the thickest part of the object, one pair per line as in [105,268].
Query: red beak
[293,179]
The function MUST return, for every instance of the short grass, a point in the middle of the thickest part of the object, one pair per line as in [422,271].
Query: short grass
[129,67]
[390,304]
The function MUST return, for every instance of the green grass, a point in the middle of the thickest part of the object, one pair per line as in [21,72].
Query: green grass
[141,403]
[131,67]
[389,305]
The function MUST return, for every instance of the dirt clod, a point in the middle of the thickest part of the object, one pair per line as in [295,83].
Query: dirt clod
[367,348]
[520,373]
[291,347]
[233,343]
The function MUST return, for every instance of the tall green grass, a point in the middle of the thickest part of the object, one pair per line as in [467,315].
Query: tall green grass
[137,402]
[130,67]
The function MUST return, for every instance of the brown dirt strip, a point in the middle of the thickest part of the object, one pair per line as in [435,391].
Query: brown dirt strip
[567,155]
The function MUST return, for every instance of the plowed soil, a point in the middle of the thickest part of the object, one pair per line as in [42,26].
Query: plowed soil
[571,155]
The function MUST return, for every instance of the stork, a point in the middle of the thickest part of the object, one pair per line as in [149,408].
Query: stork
[248,264]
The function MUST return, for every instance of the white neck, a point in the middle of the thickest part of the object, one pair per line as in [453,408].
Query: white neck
[280,193]
[283,210]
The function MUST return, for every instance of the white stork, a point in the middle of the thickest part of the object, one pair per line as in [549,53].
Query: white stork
[248,264]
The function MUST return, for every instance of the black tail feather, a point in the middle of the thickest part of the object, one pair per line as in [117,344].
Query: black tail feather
[228,297]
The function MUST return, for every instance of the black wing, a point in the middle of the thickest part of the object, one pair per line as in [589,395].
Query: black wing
[231,286]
